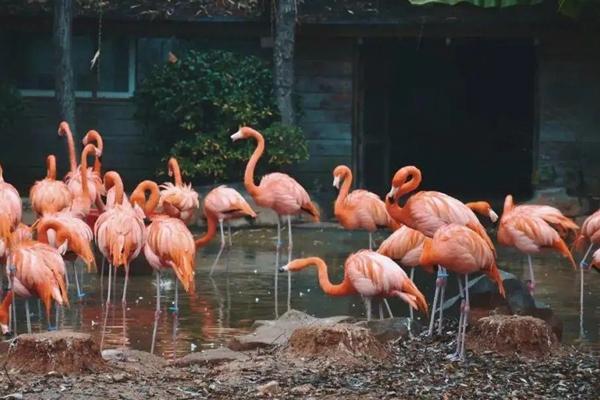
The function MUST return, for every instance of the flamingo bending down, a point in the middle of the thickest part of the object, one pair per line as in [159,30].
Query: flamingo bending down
[463,251]
[73,177]
[427,211]
[405,246]
[120,231]
[178,200]
[484,209]
[50,195]
[10,203]
[222,204]
[369,274]
[36,269]
[359,209]
[528,230]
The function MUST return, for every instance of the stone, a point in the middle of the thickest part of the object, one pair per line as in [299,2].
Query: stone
[119,378]
[344,343]
[210,357]
[269,388]
[512,335]
[269,333]
[392,328]
[64,352]
[302,390]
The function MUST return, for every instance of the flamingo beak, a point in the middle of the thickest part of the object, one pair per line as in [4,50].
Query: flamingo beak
[62,249]
[336,182]
[5,330]
[284,268]
[392,192]
[236,136]
[493,215]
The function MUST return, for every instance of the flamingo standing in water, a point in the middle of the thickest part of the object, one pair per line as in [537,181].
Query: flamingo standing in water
[178,200]
[463,251]
[222,204]
[369,274]
[36,269]
[359,209]
[120,231]
[426,212]
[277,191]
[50,196]
[529,228]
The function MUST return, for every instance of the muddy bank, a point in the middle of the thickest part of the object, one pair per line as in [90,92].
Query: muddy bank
[413,368]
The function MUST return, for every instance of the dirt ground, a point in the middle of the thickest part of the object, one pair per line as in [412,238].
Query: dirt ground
[416,369]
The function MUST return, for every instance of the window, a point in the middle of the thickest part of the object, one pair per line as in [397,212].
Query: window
[31,64]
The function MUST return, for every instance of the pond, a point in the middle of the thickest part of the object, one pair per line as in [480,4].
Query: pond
[241,291]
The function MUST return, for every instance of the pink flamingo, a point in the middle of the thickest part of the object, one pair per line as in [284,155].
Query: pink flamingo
[527,228]
[484,209]
[36,269]
[463,251]
[359,209]
[10,203]
[426,212]
[222,204]
[369,274]
[178,200]
[120,231]
[50,195]
[405,245]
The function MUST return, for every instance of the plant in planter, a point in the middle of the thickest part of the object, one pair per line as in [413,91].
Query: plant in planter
[191,106]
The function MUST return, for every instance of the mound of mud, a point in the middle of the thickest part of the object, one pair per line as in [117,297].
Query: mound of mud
[340,342]
[512,335]
[64,352]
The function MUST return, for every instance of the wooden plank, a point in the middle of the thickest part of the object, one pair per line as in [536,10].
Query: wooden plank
[342,148]
[326,101]
[328,131]
[327,116]
[321,163]
[325,68]
[323,85]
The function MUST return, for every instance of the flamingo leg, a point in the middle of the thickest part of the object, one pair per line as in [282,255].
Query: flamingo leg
[124,299]
[212,268]
[102,280]
[156,313]
[442,293]
[465,318]
[278,234]
[175,307]
[381,310]
[28,316]
[411,313]
[39,303]
[229,233]
[276,282]
[368,307]
[389,309]
[115,284]
[435,300]
[582,266]
[109,284]
[289,274]
[80,294]
[456,354]
[13,312]
[370,241]
[531,284]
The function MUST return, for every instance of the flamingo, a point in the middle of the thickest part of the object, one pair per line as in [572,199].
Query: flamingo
[73,177]
[359,209]
[366,273]
[222,204]
[463,251]
[72,219]
[10,203]
[528,229]
[49,195]
[95,138]
[484,209]
[178,200]
[36,269]
[427,211]
[277,191]
[405,245]
[120,231]
[169,243]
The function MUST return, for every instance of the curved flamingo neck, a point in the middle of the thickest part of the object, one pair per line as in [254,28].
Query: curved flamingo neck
[51,167]
[411,184]
[139,196]
[342,289]
[174,171]
[1,174]
[211,229]
[251,166]
[65,130]
[45,226]
[112,179]
[89,148]
[345,189]
[95,136]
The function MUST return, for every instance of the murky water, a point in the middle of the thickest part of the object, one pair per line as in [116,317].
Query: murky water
[241,291]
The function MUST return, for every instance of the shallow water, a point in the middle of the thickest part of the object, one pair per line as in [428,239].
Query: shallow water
[241,291]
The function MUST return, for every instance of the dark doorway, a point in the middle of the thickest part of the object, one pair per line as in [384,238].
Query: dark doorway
[460,110]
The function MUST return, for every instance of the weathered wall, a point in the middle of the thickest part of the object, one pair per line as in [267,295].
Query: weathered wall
[569,114]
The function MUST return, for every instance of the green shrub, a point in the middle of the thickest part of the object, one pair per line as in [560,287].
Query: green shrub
[195,104]
[11,105]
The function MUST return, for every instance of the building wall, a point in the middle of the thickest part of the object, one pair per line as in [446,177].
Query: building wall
[569,114]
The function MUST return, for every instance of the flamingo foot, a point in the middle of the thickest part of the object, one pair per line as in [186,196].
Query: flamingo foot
[455,357]
[584,265]
[81,295]
[52,328]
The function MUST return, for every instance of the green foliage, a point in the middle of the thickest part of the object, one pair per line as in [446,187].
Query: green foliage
[192,107]
[480,3]
[11,105]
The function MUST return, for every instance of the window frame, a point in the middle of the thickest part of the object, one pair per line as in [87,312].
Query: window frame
[88,94]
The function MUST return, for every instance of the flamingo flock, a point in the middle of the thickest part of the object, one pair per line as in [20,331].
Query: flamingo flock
[431,230]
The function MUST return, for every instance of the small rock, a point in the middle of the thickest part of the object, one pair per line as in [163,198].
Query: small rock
[13,396]
[269,388]
[119,377]
[210,357]
[391,328]
[302,390]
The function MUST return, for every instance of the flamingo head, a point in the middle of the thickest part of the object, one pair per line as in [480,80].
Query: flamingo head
[63,128]
[62,249]
[238,135]
[339,173]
